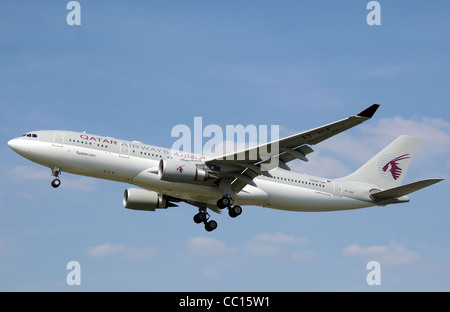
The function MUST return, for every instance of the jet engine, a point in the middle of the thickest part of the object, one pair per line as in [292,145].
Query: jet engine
[180,171]
[139,199]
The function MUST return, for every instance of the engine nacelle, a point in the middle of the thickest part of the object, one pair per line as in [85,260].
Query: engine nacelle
[139,199]
[180,171]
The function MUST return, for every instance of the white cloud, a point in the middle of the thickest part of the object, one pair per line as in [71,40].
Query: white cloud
[109,249]
[271,245]
[203,246]
[392,254]
[105,250]
[357,250]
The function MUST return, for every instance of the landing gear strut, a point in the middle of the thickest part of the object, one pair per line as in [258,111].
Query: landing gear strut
[56,172]
[227,201]
[203,216]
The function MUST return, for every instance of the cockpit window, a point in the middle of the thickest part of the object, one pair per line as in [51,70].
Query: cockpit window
[30,135]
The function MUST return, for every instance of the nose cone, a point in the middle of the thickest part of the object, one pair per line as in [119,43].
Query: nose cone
[17,145]
[13,144]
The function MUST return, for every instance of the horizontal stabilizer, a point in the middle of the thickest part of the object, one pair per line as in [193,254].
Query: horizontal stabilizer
[403,190]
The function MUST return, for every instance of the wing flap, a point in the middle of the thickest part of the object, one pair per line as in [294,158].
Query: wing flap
[295,153]
[239,183]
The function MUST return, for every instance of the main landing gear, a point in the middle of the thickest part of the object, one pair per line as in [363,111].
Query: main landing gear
[203,216]
[56,172]
[226,201]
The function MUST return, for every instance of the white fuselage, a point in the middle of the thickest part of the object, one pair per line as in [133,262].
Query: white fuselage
[136,163]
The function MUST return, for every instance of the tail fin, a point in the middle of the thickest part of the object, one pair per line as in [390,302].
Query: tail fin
[388,168]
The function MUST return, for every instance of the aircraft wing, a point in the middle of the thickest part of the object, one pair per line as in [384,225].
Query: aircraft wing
[244,166]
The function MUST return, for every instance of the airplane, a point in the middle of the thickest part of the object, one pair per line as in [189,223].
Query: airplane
[165,177]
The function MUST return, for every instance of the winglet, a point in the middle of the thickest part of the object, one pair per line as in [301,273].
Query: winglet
[368,112]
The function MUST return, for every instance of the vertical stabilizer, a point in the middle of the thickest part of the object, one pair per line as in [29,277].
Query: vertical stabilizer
[388,168]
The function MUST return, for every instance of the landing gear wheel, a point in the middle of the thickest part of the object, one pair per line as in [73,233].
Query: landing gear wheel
[56,172]
[210,225]
[219,204]
[200,217]
[203,216]
[56,183]
[234,211]
[224,202]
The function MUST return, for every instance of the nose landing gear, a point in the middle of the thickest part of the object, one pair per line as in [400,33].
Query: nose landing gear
[56,172]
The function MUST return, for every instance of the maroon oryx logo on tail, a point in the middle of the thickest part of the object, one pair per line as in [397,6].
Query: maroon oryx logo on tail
[393,167]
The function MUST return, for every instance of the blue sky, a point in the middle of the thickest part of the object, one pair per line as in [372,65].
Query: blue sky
[135,69]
